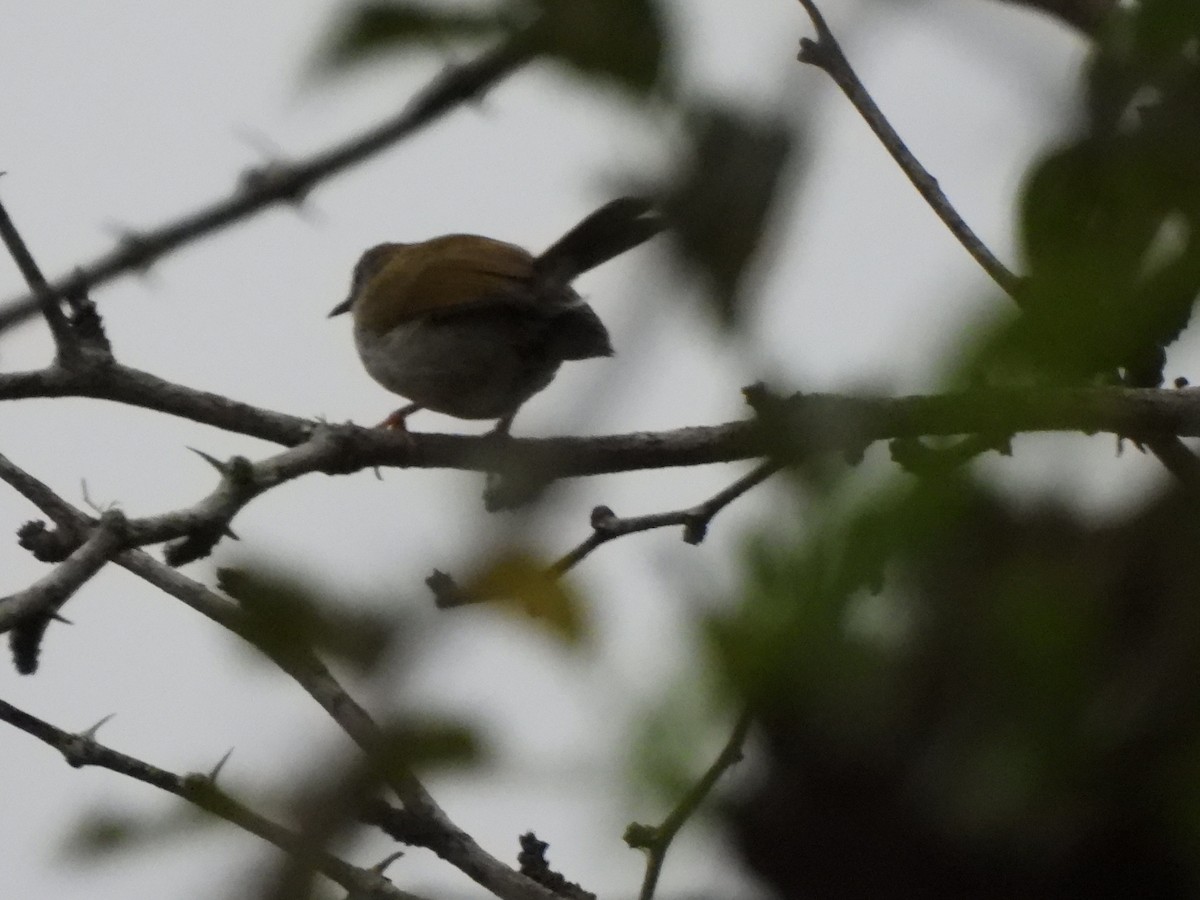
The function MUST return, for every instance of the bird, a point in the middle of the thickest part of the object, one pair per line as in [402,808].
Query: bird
[471,326]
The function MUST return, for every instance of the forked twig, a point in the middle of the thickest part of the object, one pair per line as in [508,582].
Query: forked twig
[656,839]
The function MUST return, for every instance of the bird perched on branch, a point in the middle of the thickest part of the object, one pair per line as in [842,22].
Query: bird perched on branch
[473,327]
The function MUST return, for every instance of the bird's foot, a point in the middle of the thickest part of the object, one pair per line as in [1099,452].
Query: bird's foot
[500,433]
[396,421]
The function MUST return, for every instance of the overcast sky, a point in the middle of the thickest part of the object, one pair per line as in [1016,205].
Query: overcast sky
[125,114]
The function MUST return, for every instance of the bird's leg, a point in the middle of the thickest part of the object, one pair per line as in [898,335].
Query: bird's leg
[396,421]
[503,426]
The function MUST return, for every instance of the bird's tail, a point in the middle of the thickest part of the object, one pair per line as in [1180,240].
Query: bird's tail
[611,230]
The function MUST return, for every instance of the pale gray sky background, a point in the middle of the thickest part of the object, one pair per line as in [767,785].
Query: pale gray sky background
[127,113]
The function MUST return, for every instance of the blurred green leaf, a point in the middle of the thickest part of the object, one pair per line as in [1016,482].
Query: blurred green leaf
[424,742]
[101,834]
[624,41]
[1090,214]
[1163,29]
[721,198]
[1042,689]
[371,29]
[1110,223]
[677,738]
[284,617]
[522,584]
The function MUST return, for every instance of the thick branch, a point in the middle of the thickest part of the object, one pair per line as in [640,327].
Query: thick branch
[801,426]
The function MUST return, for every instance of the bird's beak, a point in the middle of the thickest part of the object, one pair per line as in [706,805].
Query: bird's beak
[342,307]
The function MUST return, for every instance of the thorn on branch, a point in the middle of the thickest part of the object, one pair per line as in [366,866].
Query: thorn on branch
[216,770]
[90,733]
[217,464]
[78,749]
[382,866]
[238,477]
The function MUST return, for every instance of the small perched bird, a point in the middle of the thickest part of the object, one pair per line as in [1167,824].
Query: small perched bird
[473,327]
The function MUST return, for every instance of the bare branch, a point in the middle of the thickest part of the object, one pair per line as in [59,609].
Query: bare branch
[133,387]
[285,182]
[456,847]
[83,750]
[826,54]
[607,526]
[811,424]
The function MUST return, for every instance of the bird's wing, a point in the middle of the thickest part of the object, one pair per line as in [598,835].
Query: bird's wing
[444,275]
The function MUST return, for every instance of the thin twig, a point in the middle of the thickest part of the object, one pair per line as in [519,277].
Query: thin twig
[607,526]
[66,348]
[825,53]
[200,790]
[656,839]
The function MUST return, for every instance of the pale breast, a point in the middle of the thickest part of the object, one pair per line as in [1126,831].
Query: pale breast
[472,367]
